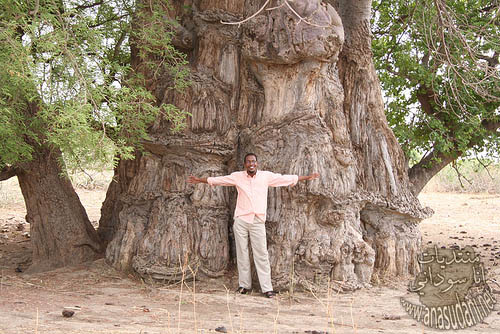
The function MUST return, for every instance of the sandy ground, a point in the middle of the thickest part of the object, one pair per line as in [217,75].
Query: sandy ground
[106,301]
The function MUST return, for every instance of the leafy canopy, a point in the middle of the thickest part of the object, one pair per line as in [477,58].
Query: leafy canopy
[438,63]
[66,79]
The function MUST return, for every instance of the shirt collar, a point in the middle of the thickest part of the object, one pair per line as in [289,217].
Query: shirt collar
[247,175]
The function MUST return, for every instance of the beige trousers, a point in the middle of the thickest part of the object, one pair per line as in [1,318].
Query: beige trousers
[257,233]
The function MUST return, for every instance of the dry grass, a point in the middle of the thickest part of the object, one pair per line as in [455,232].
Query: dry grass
[468,177]
[10,193]
[91,179]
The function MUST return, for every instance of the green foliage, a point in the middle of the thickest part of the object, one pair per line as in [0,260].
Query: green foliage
[438,65]
[154,35]
[66,79]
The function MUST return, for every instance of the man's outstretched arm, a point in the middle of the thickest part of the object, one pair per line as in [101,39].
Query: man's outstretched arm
[309,177]
[227,180]
[194,180]
[278,180]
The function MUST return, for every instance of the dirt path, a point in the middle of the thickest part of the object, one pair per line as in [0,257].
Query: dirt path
[105,301]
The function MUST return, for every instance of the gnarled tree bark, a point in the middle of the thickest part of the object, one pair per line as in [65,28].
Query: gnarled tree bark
[303,95]
[61,233]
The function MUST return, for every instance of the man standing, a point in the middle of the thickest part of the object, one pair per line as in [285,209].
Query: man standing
[250,216]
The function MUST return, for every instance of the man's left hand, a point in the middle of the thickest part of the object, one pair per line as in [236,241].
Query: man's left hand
[313,176]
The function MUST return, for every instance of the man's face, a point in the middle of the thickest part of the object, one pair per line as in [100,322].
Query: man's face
[251,164]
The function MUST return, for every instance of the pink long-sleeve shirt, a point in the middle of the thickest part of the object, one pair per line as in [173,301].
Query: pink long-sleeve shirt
[252,191]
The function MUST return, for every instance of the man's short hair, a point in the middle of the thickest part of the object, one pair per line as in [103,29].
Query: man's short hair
[249,154]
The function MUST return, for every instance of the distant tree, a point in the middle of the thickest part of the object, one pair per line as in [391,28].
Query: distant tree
[68,92]
[438,62]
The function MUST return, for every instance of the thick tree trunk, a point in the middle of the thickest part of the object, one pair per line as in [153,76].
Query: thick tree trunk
[112,205]
[61,233]
[277,87]
[392,229]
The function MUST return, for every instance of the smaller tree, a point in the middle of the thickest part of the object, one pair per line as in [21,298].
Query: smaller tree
[438,62]
[68,91]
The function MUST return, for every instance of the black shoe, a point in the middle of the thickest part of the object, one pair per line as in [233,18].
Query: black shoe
[270,294]
[243,291]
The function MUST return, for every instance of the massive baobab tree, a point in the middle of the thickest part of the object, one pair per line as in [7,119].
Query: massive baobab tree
[294,82]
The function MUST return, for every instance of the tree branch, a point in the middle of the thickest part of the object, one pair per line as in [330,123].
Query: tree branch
[491,125]
[460,175]
[432,163]
[118,45]
[426,168]
[488,8]
[98,3]
[426,97]
[107,130]
[114,18]
[485,166]
[492,61]
[35,10]
[425,59]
